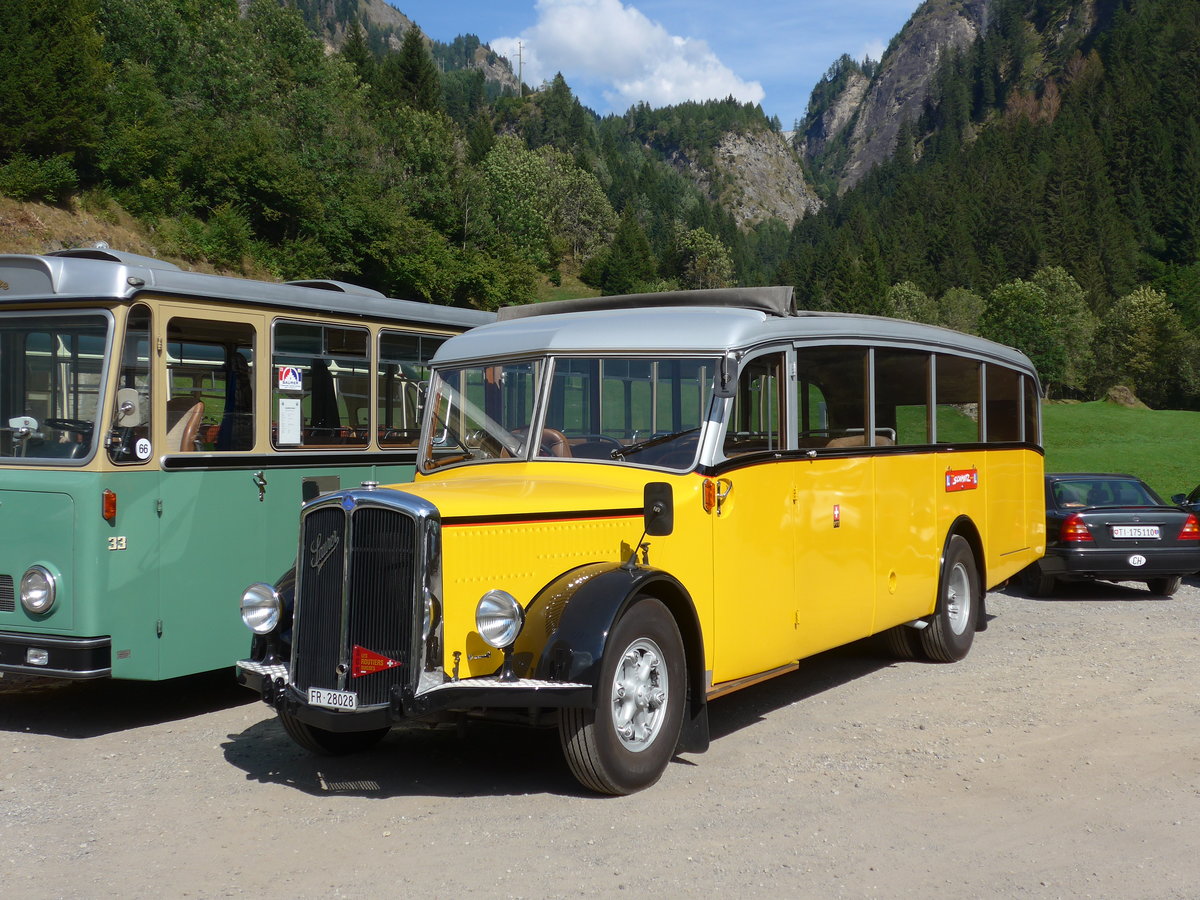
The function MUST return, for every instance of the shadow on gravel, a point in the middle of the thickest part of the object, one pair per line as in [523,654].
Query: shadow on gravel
[492,759]
[84,709]
[1075,591]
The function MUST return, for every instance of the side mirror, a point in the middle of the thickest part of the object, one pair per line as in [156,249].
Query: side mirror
[659,511]
[1179,499]
[725,382]
[128,413]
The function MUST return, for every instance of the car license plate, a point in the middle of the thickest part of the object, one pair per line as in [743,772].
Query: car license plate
[332,699]
[1135,531]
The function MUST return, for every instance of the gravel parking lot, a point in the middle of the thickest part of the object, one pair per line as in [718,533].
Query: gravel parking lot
[1060,759]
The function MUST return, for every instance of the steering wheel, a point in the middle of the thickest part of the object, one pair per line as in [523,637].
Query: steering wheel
[80,426]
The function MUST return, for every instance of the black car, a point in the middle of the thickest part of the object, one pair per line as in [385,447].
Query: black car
[1113,528]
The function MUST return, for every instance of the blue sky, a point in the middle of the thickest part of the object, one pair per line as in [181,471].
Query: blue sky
[615,53]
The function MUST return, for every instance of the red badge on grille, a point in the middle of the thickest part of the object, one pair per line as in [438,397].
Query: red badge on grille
[368,662]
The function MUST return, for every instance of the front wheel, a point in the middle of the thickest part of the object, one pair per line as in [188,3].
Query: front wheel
[950,632]
[625,742]
[329,743]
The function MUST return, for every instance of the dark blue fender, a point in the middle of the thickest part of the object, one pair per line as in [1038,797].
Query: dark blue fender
[572,617]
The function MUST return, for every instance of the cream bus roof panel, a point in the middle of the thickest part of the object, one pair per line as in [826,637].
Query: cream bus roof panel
[90,274]
[613,325]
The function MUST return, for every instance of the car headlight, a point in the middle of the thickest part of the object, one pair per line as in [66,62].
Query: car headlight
[499,618]
[261,608]
[38,587]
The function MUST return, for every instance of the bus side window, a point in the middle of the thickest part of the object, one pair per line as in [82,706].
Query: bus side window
[956,409]
[833,396]
[210,386]
[901,397]
[1003,404]
[321,383]
[402,379]
[756,423]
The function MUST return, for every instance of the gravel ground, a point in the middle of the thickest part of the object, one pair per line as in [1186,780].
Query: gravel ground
[1060,759]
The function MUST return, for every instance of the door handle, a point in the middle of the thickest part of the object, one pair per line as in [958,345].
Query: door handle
[260,482]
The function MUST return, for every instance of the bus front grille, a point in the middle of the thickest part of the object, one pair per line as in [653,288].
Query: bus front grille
[8,601]
[356,599]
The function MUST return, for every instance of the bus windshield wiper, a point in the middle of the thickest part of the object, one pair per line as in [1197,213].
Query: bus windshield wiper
[622,452]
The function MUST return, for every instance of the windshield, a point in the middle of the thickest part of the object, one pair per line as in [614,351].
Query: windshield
[640,411]
[1094,492]
[51,368]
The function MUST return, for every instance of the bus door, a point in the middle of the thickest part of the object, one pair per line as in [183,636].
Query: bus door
[216,504]
[835,542]
[754,529]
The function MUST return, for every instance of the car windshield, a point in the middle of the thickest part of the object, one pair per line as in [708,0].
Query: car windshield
[50,379]
[644,411]
[1101,492]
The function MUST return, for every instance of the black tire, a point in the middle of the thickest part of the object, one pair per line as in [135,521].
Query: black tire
[950,632]
[624,744]
[903,642]
[1165,586]
[1035,583]
[329,743]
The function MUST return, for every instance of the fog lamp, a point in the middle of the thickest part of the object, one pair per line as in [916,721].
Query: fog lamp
[261,608]
[38,588]
[36,656]
[499,619]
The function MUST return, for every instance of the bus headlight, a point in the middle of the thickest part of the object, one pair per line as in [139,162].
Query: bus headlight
[499,619]
[431,617]
[38,588]
[261,608]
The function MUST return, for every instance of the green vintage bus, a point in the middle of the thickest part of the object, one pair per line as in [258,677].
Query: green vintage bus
[159,430]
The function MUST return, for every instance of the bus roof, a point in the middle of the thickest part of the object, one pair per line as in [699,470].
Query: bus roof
[700,323]
[100,273]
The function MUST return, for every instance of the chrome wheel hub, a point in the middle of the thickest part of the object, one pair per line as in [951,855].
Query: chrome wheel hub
[639,695]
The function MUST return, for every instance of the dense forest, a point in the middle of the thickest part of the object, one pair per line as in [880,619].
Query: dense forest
[1048,197]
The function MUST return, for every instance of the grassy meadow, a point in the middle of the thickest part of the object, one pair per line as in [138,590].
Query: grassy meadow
[1157,445]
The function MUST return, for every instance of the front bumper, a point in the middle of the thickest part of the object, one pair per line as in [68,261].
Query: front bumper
[272,683]
[66,657]
[1114,564]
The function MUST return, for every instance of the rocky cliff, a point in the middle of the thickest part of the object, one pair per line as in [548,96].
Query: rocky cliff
[864,119]
[754,176]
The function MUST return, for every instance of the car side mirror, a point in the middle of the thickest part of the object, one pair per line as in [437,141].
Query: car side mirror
[659,509]
[1179,499]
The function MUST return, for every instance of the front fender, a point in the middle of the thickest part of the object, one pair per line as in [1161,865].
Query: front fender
[572,617]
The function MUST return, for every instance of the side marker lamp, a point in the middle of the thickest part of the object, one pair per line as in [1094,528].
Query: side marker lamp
[108,505]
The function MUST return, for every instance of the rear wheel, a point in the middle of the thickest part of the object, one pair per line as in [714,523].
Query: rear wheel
[625,742]
[950,632]
[1035,584]
[329,743]
[903,642]
[1164,586]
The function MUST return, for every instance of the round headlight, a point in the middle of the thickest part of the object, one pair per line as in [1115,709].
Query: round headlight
[37,590]
[498,618]
[261,608]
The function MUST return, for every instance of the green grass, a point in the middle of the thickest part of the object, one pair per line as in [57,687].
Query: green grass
[1158,446]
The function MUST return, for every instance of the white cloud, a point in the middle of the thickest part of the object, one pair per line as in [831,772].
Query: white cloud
[626,55]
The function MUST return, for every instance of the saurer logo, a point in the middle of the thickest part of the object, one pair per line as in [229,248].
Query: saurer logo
[962,479]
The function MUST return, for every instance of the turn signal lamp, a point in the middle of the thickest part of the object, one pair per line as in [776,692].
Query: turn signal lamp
[1074,530]
[109,505]
[709,494]
[1190,530]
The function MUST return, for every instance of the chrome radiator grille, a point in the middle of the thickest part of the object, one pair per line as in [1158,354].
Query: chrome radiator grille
[357,586]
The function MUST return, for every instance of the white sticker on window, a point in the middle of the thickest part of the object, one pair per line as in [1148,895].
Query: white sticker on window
[289,421]
[142,448]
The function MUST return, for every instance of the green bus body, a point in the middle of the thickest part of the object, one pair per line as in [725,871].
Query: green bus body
[151,592]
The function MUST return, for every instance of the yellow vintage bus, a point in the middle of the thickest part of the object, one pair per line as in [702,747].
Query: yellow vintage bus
[627,506]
